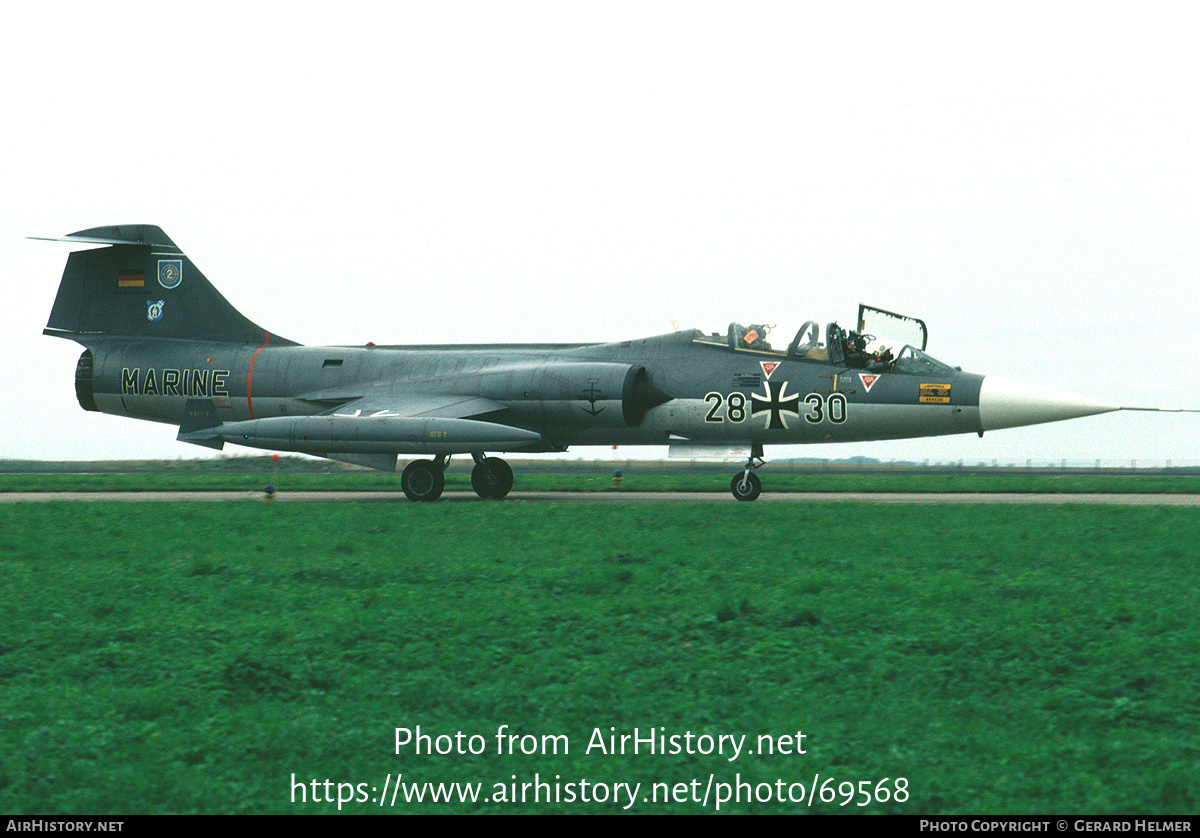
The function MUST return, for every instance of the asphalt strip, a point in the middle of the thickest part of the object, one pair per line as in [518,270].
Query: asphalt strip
[935,498]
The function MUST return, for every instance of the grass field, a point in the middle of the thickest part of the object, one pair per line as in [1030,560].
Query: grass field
[210,657]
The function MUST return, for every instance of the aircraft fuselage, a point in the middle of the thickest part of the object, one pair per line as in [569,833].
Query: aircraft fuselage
[569,395]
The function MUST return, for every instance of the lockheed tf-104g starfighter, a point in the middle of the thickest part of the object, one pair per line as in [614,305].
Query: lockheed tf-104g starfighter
[162,344]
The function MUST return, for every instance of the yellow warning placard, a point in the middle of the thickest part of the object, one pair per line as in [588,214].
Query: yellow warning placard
[932,393]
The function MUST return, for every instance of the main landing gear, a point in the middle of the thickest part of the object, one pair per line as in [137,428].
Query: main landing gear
[745,484]
[424,480]
[492,478]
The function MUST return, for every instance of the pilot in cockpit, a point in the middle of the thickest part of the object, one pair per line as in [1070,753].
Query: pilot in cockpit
[881,360]
[857,356]
[753,336]
[756,337]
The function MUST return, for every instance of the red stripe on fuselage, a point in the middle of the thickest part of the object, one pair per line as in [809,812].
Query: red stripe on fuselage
[250,374]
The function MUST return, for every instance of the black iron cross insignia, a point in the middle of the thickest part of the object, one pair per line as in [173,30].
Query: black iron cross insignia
[777,403]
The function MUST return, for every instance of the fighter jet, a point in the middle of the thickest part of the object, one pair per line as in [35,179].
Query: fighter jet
[162,344]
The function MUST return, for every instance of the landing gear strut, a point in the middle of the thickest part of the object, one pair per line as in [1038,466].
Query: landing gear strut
[424,480]
[492,478]
[745,484]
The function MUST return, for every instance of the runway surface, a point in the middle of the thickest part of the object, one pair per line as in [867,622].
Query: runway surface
[616,497]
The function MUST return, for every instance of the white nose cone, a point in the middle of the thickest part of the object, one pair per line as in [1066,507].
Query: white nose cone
[1004,403]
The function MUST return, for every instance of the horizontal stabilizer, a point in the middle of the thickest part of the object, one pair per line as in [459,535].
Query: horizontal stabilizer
[143,234]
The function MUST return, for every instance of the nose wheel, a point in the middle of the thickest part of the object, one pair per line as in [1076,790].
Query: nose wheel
[746,484]
[492,478]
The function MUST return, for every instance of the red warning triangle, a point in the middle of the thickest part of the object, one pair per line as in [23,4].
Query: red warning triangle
[868,380]
[768,367]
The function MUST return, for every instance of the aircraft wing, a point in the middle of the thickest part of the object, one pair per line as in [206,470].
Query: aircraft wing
[428,405]
[369,431]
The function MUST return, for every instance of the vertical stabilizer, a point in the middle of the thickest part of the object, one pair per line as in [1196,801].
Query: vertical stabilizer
[142,285]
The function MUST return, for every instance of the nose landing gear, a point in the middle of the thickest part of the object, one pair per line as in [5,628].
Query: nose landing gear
[745,484]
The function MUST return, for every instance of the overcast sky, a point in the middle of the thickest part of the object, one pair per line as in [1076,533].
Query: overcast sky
[1023,177]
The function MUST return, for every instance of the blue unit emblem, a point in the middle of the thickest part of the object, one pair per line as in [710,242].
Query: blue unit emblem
[154,310]
[170,272]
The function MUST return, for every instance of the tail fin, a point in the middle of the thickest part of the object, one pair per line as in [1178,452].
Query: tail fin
[142,285]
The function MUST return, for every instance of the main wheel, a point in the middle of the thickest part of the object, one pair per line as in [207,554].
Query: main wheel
[492,478]
[746,486]
[423,480]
